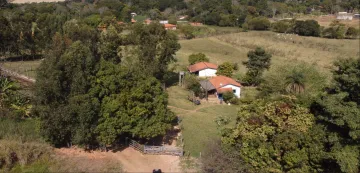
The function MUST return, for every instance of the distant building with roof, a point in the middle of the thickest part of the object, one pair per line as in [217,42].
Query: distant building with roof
[203,69]
[344,16]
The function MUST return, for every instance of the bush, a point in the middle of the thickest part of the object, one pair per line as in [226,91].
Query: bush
[352,32]
[199,57]
[188,31]
[16,152]
[234,101]
[337,32]
[227,96]
[192,83]
[307,28]
[258,23]
[282,26]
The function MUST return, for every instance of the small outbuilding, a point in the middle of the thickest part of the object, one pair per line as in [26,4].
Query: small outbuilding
[344,16]
[203,69]
[218,85]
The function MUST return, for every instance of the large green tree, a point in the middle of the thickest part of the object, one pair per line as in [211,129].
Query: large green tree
[259,61]
[339,112]
[275,136]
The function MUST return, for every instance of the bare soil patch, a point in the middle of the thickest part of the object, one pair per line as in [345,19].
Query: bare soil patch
[127,160]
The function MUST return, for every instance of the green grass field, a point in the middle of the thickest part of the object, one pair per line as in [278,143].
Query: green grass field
[197,122]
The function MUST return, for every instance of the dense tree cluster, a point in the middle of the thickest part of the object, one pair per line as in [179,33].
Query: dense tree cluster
[93,89]
[282,134]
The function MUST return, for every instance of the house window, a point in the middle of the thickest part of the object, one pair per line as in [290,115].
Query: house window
[234,91]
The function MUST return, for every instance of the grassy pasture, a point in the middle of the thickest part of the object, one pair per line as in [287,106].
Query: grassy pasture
[284,48]
[198,122]
[27,68]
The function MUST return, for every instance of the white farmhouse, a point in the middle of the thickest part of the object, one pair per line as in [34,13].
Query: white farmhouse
[218,85]
[203,69]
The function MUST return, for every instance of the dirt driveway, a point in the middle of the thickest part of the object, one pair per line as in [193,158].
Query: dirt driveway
[130,160]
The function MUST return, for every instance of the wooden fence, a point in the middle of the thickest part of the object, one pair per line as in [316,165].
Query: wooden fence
[156,150]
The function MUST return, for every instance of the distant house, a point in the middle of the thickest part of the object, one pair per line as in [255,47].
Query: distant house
[344,16]
[133,21]
[147,21]
[196,24]
[170,27]
[183,17]
[133,14]
[203,69]
[218,85]
[357,16]
[164,22]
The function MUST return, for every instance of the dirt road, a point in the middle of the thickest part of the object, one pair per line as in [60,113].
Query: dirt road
[130,159]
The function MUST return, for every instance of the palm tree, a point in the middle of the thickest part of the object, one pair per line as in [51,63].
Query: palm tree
[7,87]
[295,82]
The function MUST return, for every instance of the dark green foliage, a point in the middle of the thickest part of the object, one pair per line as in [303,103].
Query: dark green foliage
[187,30]
[307,28]
[92,93]
[352,32]
[225,69]
[227,96]
[303,80]
[131,104]
[347,78]
[154,58]
[282,26]
[258,23]
[339,112]
[258,62]
[199,57]
[192,83]
[274,137]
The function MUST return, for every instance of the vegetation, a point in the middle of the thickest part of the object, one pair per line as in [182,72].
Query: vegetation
[199,57]
[258,62]
[280,135]
[258,23]
[307,28]
[300,79]
[226,69]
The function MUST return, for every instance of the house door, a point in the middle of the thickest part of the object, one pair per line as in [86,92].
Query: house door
[220,96]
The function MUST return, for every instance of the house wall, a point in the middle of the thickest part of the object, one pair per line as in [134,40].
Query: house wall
[207,72]
[344,17]
[237,92]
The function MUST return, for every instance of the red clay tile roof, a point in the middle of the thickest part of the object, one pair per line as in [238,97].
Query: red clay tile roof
[224,90]
[221,81]
[169,25]
[201,66]
[133,20]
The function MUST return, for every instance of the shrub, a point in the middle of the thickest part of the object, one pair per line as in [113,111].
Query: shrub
[227,96]
[337,32]
[307,28]
[234,101]
[352,32]
[192,83]
[282,26]
[199,57]
[187,30]
[225,69]
[259,23]
[16,152]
